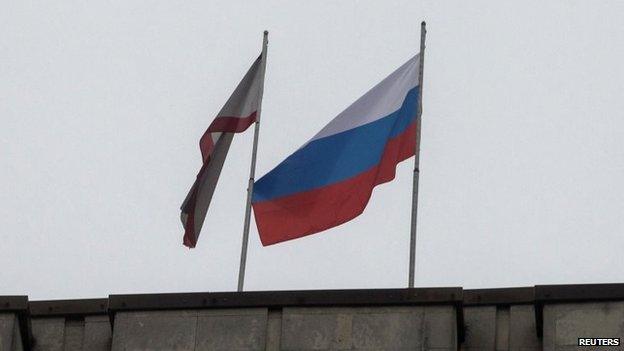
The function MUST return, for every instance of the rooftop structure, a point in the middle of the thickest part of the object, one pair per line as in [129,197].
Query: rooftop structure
[544,317]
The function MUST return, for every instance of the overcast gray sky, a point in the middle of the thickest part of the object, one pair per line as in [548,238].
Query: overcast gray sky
[102,105]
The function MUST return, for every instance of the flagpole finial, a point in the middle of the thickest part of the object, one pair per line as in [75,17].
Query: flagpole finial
[266,32]
[423,23]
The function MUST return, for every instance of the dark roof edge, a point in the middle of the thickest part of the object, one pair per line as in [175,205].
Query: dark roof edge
[468,297]
[13,303]
[20,307]
[69,308]
[499,296]
[418,296]
[542,294]
[578,293]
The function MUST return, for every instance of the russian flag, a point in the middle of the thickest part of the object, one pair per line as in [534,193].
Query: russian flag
[329,180]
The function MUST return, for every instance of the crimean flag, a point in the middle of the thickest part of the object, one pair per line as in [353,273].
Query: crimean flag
[329,180]
[238,113]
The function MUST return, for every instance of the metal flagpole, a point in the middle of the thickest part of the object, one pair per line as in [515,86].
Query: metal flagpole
[412,258]
[252,172]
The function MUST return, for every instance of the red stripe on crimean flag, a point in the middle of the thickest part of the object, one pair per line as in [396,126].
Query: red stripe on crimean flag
[232,124]
[206,145]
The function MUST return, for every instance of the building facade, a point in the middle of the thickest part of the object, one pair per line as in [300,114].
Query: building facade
[551,318]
